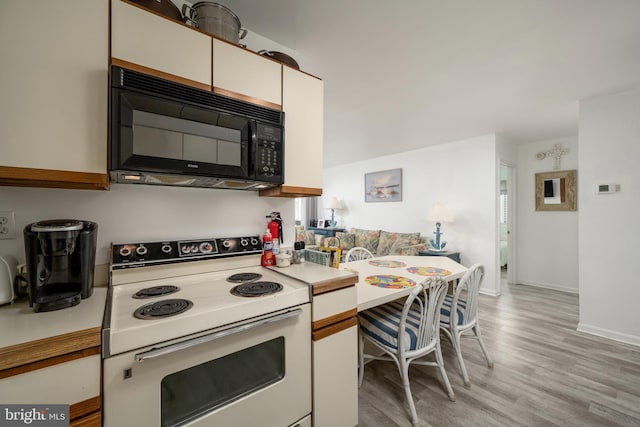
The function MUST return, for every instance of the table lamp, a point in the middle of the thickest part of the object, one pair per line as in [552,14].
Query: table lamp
[438,213]
[333,204]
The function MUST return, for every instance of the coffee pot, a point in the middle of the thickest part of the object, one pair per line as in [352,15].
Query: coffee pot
[60,260]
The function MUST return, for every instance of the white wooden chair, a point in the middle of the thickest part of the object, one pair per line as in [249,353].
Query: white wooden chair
[416,323]
[459,314]
[357,253]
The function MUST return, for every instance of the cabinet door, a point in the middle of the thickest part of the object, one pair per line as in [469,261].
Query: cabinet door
[303,103]
[246,75]
[53,81]
[142,38]
[335,379]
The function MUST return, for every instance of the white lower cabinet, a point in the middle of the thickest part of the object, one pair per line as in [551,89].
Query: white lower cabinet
[65,383]
[335,379]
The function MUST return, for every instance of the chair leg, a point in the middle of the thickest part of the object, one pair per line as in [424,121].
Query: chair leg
[476,331]
[440,363]
[455,340]
[404,373]
[360,358]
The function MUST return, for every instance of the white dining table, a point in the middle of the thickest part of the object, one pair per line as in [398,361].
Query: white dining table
[396,274]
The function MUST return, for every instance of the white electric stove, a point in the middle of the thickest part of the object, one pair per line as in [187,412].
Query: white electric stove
[204,315]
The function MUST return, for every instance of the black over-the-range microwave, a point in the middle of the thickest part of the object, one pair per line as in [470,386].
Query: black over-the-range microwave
[166,133]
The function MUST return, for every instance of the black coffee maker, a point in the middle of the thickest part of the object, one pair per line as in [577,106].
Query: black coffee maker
[61,255]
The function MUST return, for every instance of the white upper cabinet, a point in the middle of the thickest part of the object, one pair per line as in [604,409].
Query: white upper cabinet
[145,39]
[54,86]
[303,103]
[247,74]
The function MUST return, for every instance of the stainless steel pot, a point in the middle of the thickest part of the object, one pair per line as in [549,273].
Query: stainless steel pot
[215,19]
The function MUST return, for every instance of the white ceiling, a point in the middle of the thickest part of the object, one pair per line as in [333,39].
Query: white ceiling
[411,73]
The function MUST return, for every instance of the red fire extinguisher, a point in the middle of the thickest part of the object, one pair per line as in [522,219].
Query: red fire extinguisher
[275,228]
[268,257]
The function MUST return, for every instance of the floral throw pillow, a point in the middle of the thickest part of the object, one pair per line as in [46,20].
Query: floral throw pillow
[347,240]
[367,238]
[390,240]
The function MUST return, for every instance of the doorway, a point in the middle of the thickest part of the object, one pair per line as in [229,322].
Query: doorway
[506,224]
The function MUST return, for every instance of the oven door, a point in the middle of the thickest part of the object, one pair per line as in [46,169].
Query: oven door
[257,373]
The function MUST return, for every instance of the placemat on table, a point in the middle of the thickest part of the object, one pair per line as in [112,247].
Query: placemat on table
[390,281]
[428,271]
[387,263]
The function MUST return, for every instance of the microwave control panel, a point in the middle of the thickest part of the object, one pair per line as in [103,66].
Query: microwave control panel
[269,153]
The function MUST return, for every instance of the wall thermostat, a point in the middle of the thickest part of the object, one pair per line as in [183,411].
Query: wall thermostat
[605,188]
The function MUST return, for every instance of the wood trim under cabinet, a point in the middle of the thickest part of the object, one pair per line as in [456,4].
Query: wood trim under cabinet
[249,99]
[51,347]
[336,318]
[334,329]
[331,285]
[291,191]
[48,178]
[160,74]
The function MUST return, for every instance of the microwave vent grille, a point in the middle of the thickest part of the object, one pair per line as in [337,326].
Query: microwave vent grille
[138,81]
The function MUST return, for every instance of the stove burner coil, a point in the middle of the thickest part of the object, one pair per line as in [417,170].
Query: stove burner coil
[243,277]
[164,308]
[256,289]
[155,291]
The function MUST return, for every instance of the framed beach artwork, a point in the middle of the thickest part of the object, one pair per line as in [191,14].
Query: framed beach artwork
[383,186]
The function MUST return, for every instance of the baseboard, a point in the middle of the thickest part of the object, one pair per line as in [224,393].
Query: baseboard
[491,293]
[549,286]
[606,333]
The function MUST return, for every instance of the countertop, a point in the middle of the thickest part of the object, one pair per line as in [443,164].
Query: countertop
[322,279]
[27,336]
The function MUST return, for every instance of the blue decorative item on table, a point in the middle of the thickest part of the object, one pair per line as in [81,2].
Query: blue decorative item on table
[438,213]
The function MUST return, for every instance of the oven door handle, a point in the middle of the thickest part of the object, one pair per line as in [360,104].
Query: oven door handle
[157,352]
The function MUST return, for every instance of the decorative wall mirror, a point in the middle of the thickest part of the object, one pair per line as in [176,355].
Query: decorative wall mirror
[556,191]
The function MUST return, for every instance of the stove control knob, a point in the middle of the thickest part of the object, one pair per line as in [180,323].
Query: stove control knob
[186,249]
[194,248]
[124,252]
[254,241]
[226,244]
[166,248]
[206,247]
[244,242]
[141,250]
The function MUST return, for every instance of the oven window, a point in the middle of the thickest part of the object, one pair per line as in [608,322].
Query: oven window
[195,391]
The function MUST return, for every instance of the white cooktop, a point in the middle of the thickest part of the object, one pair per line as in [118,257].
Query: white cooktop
[213,306]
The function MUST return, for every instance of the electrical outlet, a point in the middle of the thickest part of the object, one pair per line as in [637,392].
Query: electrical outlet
[7,225]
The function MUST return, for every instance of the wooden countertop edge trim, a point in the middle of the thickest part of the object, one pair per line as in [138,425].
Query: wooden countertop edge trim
[84,408]
[47,348]
[334,329]
[330,285]
[92,420]
[45,363]
[49,178]
[336,318]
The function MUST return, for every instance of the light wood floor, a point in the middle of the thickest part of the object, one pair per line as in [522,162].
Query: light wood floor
[545,374]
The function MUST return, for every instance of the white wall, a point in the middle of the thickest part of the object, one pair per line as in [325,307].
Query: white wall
[462,175]
[547,242]
[609,131]
[131,213]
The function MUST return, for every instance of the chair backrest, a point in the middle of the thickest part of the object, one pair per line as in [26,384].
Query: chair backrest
[422,308]
[358,253]
[467,290]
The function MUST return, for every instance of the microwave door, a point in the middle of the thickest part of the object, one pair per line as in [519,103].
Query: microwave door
[160,135]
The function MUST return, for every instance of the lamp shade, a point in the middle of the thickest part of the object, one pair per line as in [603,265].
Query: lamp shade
[333,203]
[439,213]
